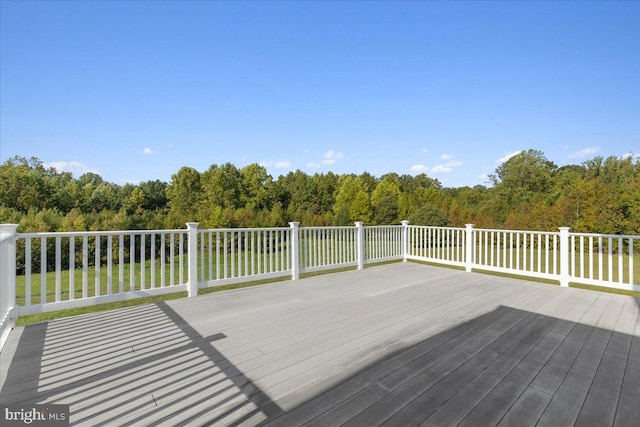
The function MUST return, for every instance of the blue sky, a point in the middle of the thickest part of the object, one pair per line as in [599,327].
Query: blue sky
[136,90]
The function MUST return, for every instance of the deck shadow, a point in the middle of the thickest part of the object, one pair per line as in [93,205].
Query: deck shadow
[158,369]
[24,369]
[507,367]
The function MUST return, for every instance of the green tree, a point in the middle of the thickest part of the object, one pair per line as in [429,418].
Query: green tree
[277,216]
[630,206]
[350,187]
[296,193]
[523,176]
[612,207]
[430,215]
[25,184]
[184,195]
[360,209]
[155,195]
[134,203]
[384,200]
[257,187]
[61,198]
[90,178]
[222,186]
[104,197]
[75,220]
[324,187]
[369,181]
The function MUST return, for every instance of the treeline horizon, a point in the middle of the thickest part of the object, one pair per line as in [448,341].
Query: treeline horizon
[528,192]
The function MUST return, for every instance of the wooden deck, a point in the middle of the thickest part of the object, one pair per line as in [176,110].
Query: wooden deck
[400,344]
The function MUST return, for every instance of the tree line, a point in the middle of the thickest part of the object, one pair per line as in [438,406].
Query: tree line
[527,192]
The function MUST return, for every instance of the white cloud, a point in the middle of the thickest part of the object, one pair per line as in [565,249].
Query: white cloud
[584,153]
[508,156]
[312,165]
[440,169]
[446,167]
[630,155]
[333,155]
[148,151]
[278,164]
[418,168]
[446,156]
[282,164]
[330,158]
[75,167]
[425,150]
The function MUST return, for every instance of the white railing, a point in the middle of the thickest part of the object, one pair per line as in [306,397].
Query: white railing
[238,255]
[442,245]
[322,248]
[113,266]
[604,258]
[383,243]
[528,253]
[66,270]
[8,312]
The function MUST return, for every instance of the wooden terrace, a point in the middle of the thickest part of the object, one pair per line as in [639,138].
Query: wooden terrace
[399,344]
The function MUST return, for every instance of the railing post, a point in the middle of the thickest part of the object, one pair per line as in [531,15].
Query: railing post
[360,244]
[565,276]
[8,280]
[469,245]
[192,256]
[295,250]
[405,240]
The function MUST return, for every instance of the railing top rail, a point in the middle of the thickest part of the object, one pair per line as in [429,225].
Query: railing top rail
[517,231]
[435,227]
[4,236]
[614,236]
[225,230]
[324,227]
[97,233]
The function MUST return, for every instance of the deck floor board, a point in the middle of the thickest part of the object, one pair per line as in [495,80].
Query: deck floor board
[395,344]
